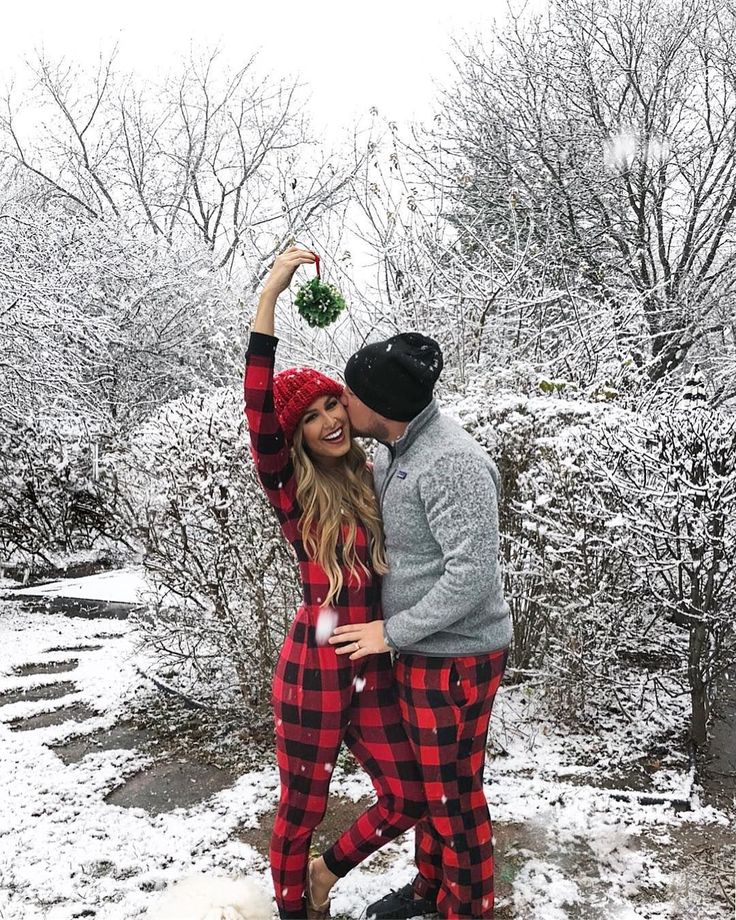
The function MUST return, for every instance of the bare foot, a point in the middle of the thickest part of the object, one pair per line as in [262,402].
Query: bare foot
[321,881]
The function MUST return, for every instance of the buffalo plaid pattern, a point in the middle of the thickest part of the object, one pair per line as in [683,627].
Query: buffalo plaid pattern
[319,703]
[321,699]
[357,602]
[446,706]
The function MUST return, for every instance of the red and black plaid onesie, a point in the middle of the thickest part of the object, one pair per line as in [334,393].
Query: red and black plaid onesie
[320,698]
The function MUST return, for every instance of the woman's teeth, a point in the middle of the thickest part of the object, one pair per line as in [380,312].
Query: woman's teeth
[335,436]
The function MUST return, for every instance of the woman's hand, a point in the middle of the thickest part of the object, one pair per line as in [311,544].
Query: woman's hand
[277,281]
[283,268]
[362,639]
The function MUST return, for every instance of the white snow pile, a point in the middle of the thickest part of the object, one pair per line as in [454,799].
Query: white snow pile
[542,892]
[125,586]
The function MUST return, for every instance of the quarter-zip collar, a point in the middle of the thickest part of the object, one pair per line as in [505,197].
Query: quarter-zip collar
[402,444]
[415,426]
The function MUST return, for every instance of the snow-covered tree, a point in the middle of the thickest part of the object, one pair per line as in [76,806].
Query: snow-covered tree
[429,273]
[675,476]
[104,322]
[602,135]
[221,156]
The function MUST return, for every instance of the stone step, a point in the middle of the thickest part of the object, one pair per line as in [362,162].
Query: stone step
[46,667]
[78,712]
[171,784]
[77,648]
[47,692]
[125,736]
[75,607]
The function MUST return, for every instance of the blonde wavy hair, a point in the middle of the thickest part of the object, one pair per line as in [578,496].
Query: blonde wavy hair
[330,497]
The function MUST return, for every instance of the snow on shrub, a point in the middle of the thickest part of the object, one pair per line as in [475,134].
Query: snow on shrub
[53,499]
[675,476]
[566,573]
[213,545]
[618,544]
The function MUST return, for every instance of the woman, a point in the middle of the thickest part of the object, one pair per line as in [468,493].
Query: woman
[318,482]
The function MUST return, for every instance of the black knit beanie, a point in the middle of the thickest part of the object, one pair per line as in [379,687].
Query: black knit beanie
[396,377]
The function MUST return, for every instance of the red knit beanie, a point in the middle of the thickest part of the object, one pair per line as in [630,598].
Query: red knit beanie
[294,390]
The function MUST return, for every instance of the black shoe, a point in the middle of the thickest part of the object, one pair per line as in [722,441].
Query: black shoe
[400,905]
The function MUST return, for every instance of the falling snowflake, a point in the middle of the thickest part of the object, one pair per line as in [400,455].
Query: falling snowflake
[326,623]
[620,150]
[618,521]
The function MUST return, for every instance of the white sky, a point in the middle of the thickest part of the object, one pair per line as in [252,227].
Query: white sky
[353,56]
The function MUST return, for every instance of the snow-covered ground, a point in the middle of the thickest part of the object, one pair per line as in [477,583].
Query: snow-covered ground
[124,586]
[566,847]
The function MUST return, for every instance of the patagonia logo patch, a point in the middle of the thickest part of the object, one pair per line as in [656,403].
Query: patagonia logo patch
[401,474]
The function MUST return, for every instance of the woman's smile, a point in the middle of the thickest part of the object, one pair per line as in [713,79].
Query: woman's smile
[336,437]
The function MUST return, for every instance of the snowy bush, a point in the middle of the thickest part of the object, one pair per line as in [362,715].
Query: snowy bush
[675,478]
[618,545]
[566,575]
[213,545]
[53,498]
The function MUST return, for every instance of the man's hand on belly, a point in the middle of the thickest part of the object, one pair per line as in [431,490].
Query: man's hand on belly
[360,640]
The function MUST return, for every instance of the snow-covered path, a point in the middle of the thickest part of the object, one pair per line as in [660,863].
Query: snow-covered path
[566,848]
[63,850]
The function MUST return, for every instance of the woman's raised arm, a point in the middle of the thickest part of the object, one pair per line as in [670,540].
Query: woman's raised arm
[278,280]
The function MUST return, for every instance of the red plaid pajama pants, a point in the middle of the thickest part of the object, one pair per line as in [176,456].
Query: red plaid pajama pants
[320,700]
[446,706]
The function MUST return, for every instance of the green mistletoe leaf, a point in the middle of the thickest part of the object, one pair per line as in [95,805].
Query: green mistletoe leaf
[319,303]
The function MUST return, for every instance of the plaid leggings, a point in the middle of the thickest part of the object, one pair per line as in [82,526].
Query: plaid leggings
[446,706]
[320,700]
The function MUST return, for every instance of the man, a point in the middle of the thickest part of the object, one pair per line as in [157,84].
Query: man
[445,617]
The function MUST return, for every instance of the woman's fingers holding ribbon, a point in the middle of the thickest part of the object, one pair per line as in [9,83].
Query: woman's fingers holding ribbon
[284,266]
[359,640]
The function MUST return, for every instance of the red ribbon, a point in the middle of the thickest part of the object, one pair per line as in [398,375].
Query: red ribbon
[316,263]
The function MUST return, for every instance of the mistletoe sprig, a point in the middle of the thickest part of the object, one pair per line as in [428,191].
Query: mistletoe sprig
[319,303]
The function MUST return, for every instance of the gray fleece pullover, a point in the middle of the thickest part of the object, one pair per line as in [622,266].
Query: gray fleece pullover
[438,492]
